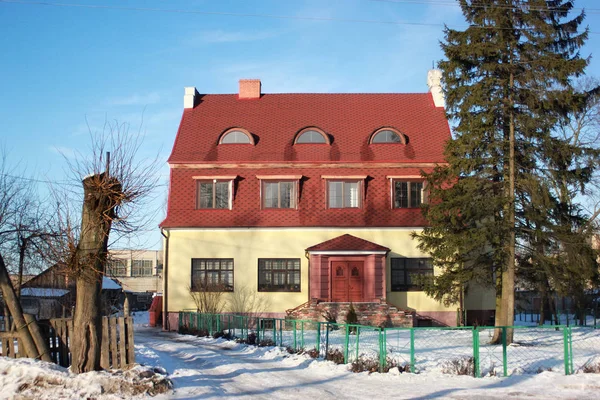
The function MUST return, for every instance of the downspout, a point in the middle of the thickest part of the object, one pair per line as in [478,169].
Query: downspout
[308,260]
[165,324]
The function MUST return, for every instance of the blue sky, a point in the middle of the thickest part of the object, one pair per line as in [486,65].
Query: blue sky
[61,66]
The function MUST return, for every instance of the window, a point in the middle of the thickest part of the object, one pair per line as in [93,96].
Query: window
[214,194]
[312,135]
[141,267]
[279,194]
[116,268]
[404,270]
[212,274]
[343,194]
[387,135]
[237,136]
[278,274]
[408,194]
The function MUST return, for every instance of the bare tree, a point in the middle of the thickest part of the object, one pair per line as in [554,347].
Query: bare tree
[116,185]
[249,302]
[208,297]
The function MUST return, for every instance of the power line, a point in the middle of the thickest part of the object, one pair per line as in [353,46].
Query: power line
[233,14]
[497,6]
[49,182]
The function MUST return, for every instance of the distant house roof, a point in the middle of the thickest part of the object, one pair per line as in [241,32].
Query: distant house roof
[109,284]
[43,292]
[348,243]
[349,120]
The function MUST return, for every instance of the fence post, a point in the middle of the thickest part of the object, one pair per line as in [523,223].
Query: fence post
[326,341]
[382,349]
[476,352]
[318,338]
[302,334]
[412,350]
[566,349]
[504,355]
[180,322]
[346,340]
[357,341]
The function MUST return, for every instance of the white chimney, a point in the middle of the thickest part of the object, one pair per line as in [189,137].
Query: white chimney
[249,89]
[189,98]
[434,81]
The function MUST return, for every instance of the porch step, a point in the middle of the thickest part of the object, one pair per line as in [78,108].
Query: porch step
[370,314]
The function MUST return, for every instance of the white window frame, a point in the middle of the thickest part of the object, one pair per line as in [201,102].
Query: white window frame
[280,178]
[406,178]
[360,179]
[214,180]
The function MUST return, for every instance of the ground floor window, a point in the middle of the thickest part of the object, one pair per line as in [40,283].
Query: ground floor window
[405,270]
[278,274]
[212,274]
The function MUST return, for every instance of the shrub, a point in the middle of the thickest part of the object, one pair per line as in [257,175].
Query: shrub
[591,368]
[266,343]
[336,356]
[459,366]
[312,353]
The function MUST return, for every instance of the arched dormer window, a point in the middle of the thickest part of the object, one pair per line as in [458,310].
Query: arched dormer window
[311,135]
[387,135]
[236,136]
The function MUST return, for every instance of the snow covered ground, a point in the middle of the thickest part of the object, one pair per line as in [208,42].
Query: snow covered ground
[206,368]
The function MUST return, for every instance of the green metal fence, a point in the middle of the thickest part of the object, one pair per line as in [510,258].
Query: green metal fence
[477,351]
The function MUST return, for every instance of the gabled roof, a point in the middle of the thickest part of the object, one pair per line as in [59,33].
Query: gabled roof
[275,119]
[347,243]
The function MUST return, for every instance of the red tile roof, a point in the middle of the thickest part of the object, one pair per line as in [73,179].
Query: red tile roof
[275,119]
[347,243]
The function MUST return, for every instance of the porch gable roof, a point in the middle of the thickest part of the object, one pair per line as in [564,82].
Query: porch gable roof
[348,242]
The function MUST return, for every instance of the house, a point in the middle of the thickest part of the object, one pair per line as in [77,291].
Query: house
[139,272]
[52,294]
[307,201]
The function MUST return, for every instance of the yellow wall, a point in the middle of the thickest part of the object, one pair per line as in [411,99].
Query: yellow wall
[246,246]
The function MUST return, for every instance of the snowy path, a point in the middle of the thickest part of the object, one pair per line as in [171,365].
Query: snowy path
[209,369]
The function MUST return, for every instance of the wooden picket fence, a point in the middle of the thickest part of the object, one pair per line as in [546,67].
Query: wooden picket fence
[117,342]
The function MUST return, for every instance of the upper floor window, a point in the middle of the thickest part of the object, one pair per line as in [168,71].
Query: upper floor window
[212,275]
[312,135]
[387,135]
[141,267]
[408,194]
[344,192]
[214,192]
[404,272]
[116,268]
[236,136]
[279,191]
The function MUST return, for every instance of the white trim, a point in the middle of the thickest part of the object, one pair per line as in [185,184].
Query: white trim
[345,252]
[290,228]
[213,177]
[280,177]
[344,177]
[404,177]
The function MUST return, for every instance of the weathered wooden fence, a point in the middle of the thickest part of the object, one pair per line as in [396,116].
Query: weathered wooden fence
[117,341]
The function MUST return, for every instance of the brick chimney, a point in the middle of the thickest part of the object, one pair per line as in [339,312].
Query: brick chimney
[249,89]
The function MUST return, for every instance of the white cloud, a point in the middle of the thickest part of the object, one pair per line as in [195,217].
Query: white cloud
[66,152]
[136,99]
[221,36]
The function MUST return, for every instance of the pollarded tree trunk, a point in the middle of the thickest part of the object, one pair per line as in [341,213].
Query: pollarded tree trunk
[13,305]
[100,194]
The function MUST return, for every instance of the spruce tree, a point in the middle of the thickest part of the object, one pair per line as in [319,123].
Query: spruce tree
[508,85]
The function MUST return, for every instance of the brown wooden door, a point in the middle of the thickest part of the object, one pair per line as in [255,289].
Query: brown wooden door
[347,281]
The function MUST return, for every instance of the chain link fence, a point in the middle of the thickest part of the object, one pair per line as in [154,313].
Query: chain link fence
[477,351]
